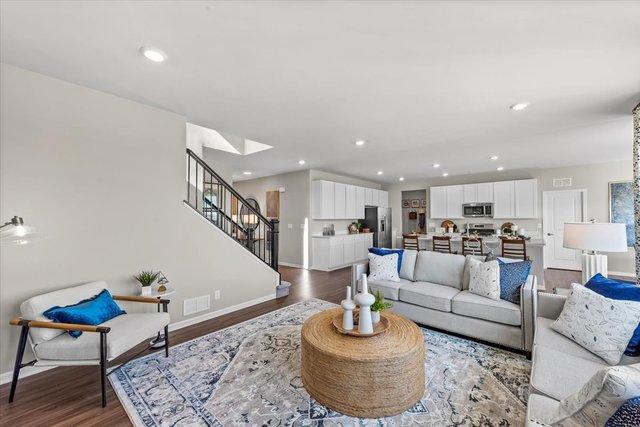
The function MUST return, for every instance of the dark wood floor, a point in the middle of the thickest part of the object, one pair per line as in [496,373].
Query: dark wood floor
[71,396]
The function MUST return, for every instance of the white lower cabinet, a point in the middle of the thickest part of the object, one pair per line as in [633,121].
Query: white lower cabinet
[332,252]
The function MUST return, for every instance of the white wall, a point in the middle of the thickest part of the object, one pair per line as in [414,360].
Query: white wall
[595,178]
[104,178]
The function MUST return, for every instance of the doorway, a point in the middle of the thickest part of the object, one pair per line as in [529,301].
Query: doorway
[559,207]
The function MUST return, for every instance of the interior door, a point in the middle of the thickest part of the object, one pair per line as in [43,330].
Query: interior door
[560,207]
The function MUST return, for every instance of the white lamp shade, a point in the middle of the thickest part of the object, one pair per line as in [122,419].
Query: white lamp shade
[595,236]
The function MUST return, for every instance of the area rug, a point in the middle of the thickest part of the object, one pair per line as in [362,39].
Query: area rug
[249,374]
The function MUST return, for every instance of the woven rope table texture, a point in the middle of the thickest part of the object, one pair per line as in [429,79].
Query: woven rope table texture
[369,377]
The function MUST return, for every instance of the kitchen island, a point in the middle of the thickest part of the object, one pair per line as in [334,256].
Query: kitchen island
[535,250]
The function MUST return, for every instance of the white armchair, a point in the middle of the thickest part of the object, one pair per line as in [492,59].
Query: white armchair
[96,346]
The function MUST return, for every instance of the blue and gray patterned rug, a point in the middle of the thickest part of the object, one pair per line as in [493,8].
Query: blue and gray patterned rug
[249,374]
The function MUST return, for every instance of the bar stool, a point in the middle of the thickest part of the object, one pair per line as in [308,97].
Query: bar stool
[410,241]
[514,248]
[442,244]
[472,246]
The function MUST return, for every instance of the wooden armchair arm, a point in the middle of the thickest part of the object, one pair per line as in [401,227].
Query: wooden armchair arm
[136,298]
[19,321]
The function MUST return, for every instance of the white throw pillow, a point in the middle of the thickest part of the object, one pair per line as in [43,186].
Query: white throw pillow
[599,398]
[602,325]
[409,257]
[383,267]
[484,278]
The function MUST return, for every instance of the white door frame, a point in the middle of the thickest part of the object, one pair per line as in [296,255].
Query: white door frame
[583,192]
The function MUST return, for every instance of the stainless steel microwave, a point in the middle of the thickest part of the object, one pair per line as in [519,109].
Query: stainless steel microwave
[477,210]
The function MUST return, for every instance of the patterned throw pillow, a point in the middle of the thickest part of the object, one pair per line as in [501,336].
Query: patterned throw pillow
[512,276]
[599,398]
[383,267]
[601,325]
[484,278]
[626,415]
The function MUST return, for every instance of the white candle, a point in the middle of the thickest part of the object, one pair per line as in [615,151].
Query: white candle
[365,287]
[348,292]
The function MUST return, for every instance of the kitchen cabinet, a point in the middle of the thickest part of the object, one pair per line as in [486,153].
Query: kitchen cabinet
[438,202]
[323,194]
[340,201]
[336,250]
[504,199]
[470,193]
[454,201]
[375,197]
[360,202]
[368,196]
[485,192]
[349,245]
[351,202]
[383,200]
[526,198]
[333,252]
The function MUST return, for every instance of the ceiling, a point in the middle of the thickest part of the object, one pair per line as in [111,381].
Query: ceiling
[419,82]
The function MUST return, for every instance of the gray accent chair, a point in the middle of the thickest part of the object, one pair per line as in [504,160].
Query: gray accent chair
[433,291]
[52,346]
[560,366]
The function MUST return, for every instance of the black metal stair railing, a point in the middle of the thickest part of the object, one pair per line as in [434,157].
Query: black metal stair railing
[222,206]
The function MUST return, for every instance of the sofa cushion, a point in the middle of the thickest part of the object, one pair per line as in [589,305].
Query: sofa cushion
[408,264]
[467,265]
[539,409]
[512,276]
[388,288]
[547,337]
[127,331]
[443,269]
[387,251]
[557,374]
[429,295]
[383,267]
[484,279]
[469,304]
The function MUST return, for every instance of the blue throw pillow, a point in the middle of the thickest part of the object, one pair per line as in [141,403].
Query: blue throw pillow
[620,290]
[92,311]
[627,415]
[512,276]
[385,251]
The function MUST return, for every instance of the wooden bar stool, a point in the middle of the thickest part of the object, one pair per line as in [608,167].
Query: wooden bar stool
[410,241]
[472,246]
[442,244]
[514,248]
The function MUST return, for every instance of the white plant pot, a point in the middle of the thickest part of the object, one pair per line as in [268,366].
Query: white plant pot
[375,317]
[146,291]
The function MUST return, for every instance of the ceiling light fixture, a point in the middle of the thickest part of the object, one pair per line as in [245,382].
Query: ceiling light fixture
[445,174]
[500,168]
[246,173]
[519,106]
[379,172]
[401,178]
[301,162]
[359,143]
[153,54]
[436,165]
[494,158]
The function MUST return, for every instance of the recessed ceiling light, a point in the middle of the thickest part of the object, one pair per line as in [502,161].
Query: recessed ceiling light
[153,54]
[379,172]
[359,143]
[436,165]
[494,158]
[246,173]
[445,174]
[301,162]
[500,168]
[519,106]
[401,178]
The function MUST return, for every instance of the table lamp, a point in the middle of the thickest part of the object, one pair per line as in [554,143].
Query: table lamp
[593,237]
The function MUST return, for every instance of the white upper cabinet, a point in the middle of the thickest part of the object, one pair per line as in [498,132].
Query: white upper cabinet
[323,193]
[438,202]
[485,192]
[351,202]
[360,202]
[383,201]
[368,196]
[340,201]
[526,198]
[470,193]
[375,197]
[455,194]
[503,199]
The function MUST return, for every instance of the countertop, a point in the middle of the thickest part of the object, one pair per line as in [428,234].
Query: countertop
[320,236]
[489,240]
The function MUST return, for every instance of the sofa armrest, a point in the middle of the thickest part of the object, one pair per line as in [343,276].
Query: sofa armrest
[550,305]
[357,270]
[137,298]
[528,308]
[19,321]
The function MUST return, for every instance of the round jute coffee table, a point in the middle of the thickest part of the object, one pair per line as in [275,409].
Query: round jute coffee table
[370,377]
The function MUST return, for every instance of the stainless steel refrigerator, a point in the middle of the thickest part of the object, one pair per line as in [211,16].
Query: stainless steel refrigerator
[378,220]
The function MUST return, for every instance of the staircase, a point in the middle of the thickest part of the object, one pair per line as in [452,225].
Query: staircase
[217,201]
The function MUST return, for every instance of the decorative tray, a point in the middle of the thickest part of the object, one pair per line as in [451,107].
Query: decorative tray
[378,328]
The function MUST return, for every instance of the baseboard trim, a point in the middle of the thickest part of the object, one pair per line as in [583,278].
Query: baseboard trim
[6,377]
[621,273]
[290,264]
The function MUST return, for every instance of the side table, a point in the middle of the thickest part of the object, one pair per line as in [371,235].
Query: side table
[158,342]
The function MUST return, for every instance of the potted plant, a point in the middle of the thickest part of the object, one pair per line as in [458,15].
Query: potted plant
[146,279]
[379,305]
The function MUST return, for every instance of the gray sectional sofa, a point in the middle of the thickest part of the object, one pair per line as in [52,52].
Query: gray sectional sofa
[560,366]
[433,291]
